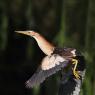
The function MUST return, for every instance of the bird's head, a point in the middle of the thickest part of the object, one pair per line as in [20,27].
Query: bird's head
[29,33]
[44,45]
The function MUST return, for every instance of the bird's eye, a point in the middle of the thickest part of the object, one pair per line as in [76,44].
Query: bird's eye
[29,32]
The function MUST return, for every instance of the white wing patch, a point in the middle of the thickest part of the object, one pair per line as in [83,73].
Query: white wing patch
[51,61]
[73,52]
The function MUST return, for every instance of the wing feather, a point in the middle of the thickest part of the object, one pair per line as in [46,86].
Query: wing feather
[50,65]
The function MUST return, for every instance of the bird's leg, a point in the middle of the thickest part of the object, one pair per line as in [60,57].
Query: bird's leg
[75,62]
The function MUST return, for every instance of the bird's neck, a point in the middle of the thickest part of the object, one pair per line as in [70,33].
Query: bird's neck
[44,45]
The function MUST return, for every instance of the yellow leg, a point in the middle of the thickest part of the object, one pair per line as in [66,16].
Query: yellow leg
[74,70]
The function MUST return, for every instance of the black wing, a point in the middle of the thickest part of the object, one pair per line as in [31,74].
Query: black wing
[50,65]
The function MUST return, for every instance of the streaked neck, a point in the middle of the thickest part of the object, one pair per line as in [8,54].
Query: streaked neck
[44,45]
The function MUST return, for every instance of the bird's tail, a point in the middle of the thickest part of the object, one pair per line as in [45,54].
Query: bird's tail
[70,85]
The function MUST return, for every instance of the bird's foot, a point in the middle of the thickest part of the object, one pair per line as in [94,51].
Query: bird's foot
[76,74]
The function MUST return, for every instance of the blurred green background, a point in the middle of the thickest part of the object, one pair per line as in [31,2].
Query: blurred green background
[65,23]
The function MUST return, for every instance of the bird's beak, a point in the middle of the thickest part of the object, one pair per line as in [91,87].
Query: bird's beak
[24,32]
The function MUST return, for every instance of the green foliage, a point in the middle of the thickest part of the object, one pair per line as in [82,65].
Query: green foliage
[3,32]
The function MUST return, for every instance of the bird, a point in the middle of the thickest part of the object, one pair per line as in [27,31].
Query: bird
[69,61]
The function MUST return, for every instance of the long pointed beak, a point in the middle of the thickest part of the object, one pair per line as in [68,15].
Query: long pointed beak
[24,32]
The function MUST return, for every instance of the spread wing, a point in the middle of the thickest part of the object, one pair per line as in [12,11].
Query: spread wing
[50,65]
